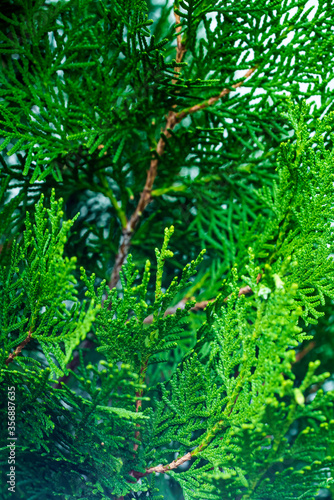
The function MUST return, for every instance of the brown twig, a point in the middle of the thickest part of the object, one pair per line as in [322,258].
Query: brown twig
[18,349]
[171,466]
[170,311]
[209,102]
[301,354]
[199,306]
[173,119]
[145,196]
[188,456]
[144,200]
[180,47]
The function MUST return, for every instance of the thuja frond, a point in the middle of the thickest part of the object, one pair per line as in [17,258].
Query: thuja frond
[147,115]
[9,213]
[131,61]
[301,204]
[71,433]
[122,330]
[182,411]
[37,287]
[247,381]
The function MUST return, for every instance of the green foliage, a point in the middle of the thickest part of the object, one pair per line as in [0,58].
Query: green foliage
[79,75]
[37,285]
[213,368]
[302,208]
[121,327]
[252,401]
[67,436]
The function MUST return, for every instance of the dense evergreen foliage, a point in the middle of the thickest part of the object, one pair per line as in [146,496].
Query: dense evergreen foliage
[166,269]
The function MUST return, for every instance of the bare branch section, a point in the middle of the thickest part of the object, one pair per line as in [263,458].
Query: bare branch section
[180,48]
[171,466]
[145,196]
[122,253]
[18,349]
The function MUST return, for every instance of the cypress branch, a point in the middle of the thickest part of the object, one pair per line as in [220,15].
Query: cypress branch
[134,363]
